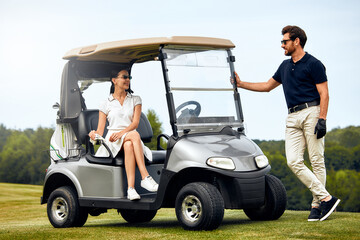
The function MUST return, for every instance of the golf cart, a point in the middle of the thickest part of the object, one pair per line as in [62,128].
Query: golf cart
[208,165]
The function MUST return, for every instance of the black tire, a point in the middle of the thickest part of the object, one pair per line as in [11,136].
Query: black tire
[275,201]
[199,206]
[63,209]
[81,218]
[137,216]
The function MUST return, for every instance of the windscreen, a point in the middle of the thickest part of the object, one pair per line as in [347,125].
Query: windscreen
[202,90]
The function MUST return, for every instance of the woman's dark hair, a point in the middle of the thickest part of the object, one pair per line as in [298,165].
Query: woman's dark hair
[115,74]
[295,32]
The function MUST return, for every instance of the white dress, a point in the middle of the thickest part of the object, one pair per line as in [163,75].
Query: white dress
[119,117]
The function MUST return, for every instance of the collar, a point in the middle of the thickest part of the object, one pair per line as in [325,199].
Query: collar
[303,59]
[111,97]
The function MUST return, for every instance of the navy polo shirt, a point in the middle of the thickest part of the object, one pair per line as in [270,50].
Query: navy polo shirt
[299,79]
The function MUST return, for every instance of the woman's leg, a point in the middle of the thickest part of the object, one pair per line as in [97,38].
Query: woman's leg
[129,163]
[135,139]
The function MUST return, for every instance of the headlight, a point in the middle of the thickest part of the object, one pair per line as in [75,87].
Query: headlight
[221,162]
[261,161]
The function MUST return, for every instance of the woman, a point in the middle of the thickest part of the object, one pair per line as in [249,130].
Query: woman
[123,110]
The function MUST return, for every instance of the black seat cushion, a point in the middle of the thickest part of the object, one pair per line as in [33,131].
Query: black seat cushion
[88,120]
[158,158]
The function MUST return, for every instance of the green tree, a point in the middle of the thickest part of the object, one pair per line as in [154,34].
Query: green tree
[156,128]
[14,158]
[338,157]
[348,137]
[24,157]
[40,159]
[345,184]
[356,157]
[4,133]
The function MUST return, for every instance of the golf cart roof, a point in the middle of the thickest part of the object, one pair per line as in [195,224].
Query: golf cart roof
[143,49]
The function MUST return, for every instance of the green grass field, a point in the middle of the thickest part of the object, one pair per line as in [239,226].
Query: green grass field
[22,217]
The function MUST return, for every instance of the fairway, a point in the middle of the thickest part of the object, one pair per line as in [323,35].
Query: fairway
[22,217]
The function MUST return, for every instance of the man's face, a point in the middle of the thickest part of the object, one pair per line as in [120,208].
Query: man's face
[288,45]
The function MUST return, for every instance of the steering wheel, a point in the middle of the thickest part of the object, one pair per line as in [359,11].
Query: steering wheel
[188,113]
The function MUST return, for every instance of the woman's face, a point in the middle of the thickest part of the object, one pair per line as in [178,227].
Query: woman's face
[122,81]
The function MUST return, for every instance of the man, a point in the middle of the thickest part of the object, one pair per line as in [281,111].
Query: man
[305,87]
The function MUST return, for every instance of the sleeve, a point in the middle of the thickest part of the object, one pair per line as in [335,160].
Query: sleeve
[137,100]
[277,75]
[104,107]
[318,72]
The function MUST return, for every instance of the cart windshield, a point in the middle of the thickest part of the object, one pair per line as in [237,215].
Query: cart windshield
[202,91]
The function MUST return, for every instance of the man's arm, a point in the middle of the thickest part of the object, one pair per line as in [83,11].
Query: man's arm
[257,87]
[324,99]
[320,128]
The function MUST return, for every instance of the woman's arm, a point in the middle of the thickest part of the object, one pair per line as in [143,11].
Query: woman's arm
[134,124]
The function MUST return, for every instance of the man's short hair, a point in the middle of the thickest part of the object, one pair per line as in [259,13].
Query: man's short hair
[295,32]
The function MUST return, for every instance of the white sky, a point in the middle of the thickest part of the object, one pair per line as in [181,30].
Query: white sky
[34,35]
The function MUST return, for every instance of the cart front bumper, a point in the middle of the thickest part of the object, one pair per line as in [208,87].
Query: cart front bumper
[243,189]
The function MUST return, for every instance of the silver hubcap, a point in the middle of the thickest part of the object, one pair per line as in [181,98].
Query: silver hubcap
[60,209]
[191,208]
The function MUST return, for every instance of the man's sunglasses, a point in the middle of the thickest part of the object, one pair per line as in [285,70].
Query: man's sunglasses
[285,41]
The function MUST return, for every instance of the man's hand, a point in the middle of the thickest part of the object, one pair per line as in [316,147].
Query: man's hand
[320,128]
[237,78]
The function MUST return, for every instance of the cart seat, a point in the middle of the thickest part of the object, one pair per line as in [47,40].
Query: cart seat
[88,120]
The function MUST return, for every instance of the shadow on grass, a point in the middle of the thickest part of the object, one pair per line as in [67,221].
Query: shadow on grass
[165,224]
[153,224]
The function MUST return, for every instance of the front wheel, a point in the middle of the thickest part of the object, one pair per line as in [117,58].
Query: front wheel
[63,209]
[275,201]
[199,206]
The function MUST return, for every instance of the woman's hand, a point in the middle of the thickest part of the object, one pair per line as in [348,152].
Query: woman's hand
[92,134]
[115,136]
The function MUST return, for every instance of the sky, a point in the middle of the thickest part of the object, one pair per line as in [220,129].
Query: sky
[36,34]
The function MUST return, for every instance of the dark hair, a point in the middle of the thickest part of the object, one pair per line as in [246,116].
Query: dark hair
[115,74]
[295,32]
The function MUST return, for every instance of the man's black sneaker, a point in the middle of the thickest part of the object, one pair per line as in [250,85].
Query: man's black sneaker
[314,215]
[328,207]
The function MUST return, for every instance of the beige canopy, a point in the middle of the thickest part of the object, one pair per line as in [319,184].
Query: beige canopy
[140,50]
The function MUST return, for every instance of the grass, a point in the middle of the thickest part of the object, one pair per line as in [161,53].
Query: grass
[22,217]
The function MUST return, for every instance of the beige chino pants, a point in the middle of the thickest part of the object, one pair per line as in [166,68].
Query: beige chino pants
[299,134]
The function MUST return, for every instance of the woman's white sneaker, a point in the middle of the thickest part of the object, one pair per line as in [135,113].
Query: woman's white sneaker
[149,184]
[132,194]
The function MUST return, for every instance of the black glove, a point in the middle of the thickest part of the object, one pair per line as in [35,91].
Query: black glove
[320,128]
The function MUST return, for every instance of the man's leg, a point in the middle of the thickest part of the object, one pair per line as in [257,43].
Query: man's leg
[295,146]
[316,150]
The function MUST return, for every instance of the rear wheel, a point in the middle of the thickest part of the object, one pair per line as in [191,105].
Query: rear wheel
[63,209]
[199,206]
[275,201]
[81,218]
[137,216]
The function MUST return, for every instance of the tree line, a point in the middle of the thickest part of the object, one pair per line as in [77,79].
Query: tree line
[24,158]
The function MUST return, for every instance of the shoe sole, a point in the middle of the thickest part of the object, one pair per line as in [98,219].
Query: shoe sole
[313,220]
[331,211]
[132,199]
[150,190]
